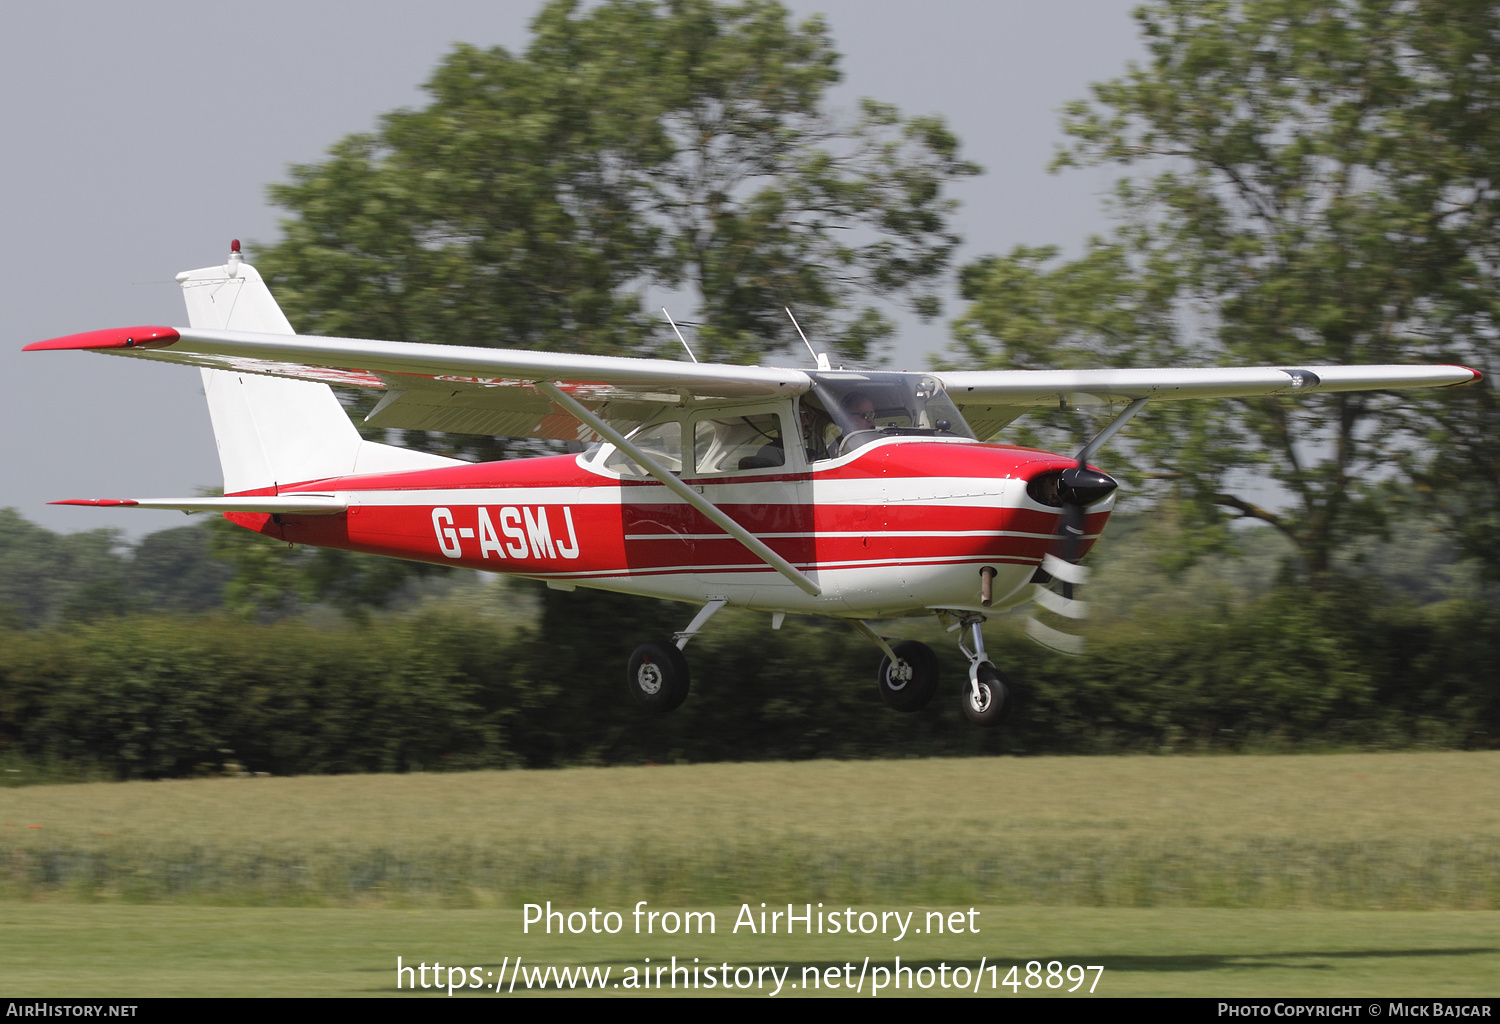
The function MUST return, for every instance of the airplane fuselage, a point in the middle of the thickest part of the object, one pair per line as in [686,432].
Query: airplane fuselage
[899,527]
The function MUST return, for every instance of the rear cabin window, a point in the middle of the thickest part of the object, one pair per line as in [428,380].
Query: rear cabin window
[733,444]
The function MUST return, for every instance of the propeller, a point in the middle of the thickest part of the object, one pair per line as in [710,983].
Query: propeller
[1074,489]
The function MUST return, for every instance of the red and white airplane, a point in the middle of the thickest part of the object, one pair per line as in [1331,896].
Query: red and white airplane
[865,495]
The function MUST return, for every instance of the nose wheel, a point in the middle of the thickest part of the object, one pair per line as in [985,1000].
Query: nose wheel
[987,699]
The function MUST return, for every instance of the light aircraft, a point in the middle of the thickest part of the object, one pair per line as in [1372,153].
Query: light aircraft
[864,495]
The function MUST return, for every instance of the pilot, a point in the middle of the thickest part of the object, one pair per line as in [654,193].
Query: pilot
[861,409]
[859,413]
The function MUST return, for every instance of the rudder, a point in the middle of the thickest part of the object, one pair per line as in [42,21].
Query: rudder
[269,430]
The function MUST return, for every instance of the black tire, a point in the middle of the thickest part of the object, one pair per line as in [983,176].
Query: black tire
[993,702]
[909,690]
[657,676]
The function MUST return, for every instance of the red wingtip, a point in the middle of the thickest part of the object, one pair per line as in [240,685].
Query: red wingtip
[97,502]
[114,337]
[1477,375]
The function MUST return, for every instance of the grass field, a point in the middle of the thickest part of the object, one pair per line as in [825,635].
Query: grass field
[1354,832]
[1314,875]
[78,951]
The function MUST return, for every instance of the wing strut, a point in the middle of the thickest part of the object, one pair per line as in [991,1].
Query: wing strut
[1088,451]
[757,546]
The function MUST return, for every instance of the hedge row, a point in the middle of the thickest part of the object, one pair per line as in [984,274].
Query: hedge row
[164,696]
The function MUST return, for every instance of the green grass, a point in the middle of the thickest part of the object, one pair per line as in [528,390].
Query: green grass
[124,952]
[1350,832]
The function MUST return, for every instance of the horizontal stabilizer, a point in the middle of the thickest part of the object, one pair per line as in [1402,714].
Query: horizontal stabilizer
[117,337]
[288,504]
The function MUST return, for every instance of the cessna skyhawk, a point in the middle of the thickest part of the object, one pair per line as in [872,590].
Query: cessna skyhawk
[864,495]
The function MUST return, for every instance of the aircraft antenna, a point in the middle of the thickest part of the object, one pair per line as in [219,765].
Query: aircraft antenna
[821,360]
[679,334]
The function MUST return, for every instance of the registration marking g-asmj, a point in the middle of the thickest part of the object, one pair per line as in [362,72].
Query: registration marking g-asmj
[525,529]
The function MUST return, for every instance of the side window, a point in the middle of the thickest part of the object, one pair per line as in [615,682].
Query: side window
[735,443]
[820,434]
[661,441]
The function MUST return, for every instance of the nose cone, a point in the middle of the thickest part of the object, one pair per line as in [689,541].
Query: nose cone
[1080,486]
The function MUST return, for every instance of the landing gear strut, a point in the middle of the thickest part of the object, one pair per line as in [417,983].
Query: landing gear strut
[908,675]
[908,683]
[657,676]
[986,700]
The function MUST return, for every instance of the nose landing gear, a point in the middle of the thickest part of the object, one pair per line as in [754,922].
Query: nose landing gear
[986,700]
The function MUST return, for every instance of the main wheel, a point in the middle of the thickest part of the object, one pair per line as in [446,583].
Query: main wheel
[658,675]
[991,704]
[909,684]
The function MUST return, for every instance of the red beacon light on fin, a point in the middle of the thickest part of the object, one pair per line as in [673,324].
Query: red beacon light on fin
[234,245]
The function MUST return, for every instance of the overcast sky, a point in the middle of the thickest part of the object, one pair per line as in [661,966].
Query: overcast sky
[139,139]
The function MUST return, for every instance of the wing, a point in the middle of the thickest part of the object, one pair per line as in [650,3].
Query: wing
[448,387]
[989,399]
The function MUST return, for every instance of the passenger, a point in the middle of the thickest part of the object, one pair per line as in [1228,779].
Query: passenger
[815,426]
[771,454]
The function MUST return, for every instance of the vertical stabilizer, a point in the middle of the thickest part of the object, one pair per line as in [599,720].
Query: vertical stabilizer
[272,431]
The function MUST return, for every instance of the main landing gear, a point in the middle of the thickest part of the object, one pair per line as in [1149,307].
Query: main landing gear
[657,676]
[908,675]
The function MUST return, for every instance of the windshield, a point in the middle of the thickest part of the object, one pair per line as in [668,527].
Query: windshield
[867,406]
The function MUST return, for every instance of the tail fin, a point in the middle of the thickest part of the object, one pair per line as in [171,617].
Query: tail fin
[272,431]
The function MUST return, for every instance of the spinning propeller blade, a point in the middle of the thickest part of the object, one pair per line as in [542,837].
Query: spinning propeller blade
[1077,488]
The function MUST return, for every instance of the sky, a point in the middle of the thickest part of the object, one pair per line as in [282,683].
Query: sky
[140,137]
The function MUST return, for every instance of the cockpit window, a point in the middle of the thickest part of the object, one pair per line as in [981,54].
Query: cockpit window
[867,406]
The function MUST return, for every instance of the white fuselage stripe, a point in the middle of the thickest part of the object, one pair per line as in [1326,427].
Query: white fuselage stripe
[833,534]
[873,563]
[936,490]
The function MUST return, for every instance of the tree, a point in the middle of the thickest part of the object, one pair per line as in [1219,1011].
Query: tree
[682,145]
[634,144]
[1316,187]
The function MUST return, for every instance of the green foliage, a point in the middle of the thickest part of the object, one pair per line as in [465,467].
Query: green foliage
[271,578]
[1316,186]
[481,686]
[47,577]
[633,143]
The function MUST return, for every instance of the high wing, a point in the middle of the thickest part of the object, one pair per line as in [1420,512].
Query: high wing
[493,391]
[990,399]
[449,387]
